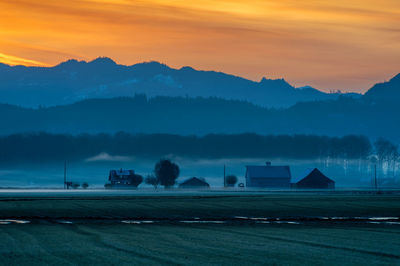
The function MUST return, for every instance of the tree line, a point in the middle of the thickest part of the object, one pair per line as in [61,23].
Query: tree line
[200,116]
[53,147]
[165,174]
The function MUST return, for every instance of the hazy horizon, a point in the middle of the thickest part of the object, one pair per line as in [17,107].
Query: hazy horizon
[94,171]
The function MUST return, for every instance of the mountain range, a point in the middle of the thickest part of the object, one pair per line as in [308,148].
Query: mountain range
[73,80]
[152,98]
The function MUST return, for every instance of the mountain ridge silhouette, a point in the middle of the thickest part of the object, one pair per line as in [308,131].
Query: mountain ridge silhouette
[74,80]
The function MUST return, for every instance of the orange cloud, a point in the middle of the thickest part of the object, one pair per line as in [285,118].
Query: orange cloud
[14,60]
[346,45]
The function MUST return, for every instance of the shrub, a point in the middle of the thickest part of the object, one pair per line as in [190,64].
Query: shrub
[231,180]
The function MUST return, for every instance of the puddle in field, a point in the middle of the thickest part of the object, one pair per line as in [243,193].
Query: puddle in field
[254,218]
[65,222]
[286,222]
[260,219]
[383,218]
[137,222]
[264,220]
[392,223]
[13,221]
[205,222]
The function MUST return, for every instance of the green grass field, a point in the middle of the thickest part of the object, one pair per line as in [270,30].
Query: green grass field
[268,205]
[204,206]
[104,240]
[41,244]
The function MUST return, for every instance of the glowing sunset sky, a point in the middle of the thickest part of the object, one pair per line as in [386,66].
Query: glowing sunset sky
[342,44]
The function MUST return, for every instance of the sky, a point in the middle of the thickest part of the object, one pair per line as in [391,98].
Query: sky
[346,45]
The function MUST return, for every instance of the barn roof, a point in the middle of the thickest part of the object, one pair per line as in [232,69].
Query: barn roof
[194,181]
[268,171]
[302,175]
[122,172]
[311,171]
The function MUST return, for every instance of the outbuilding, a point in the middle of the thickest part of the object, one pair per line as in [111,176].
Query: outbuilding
[268,176]
[314,179]
[194,182]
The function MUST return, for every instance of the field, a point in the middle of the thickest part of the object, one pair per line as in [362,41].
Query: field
[89,229]
[199,244]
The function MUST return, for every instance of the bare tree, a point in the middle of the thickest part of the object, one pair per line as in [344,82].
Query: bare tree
[384,149]
[387,152]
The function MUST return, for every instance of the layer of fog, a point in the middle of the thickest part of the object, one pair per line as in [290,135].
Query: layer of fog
[94,171]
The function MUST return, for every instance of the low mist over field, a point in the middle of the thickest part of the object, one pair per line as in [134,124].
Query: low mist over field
[37,160]
[348,173]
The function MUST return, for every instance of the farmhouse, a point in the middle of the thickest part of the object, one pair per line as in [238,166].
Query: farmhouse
[124,178]
[268,176]
[194,182]
[314,179]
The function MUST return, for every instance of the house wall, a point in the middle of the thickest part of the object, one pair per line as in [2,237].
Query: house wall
[194,186]
[268,182]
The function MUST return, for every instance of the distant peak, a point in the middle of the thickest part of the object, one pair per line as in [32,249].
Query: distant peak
[73,63]
[392,81]
[103,61]
[70,63]
[307,87]
[266,80]
[4,65]
[187,68]
[396,78]
[151,65]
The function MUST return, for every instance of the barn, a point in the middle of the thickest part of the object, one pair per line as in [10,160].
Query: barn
[268,176]
[313,179]
[194,182]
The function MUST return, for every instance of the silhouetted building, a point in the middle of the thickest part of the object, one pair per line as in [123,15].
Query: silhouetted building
[314,179]
[123,179]
[268,176]
[194,182]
